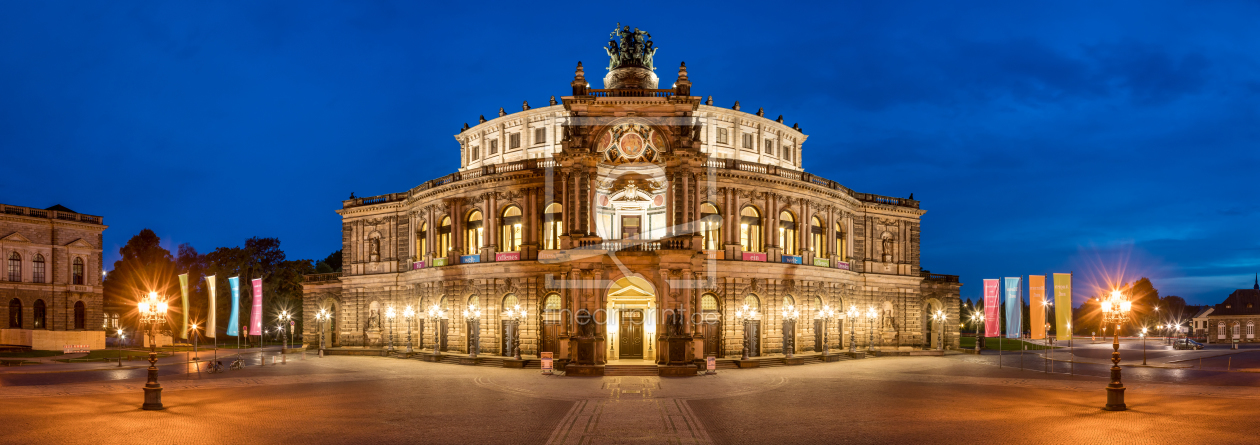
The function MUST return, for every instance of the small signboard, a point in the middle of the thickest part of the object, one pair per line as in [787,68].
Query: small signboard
[546,363]
[507,256]
[842,265]
[75,349]
[754,256]
[439,262]
[710,363]
[791,259]
[417,265]
[466,259]
[822,262]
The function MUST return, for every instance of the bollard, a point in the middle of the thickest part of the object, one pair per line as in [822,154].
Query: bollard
[1229,364]
[284,359]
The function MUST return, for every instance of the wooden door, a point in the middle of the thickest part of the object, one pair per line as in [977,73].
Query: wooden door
[712,331]
[442,346]
[419,333]
[754,338]
[630,227]
[630,334]
[505,340]
[550,338]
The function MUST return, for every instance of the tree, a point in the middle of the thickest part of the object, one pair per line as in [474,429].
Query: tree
[145,266]
[330,264]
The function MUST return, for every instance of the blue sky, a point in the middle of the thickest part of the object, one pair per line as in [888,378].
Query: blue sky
[1105,138]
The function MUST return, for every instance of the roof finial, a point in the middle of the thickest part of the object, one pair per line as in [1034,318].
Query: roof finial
[501,112]
[525,106]
[553,100]
[1257,285]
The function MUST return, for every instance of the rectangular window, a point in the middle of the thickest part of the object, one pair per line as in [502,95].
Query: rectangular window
[476,152]
[722,136]
[514,141]
[748,141]
[770,147]
[494,146]
[540,136]
[788,152]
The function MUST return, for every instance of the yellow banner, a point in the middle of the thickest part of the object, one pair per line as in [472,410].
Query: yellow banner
[183,292]
[1063,305]
[1037,306]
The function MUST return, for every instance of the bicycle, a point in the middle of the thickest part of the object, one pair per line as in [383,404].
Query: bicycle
[213,367]
[237,364]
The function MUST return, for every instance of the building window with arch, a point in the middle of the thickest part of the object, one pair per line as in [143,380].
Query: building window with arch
[15,267]
[510,236]
[80,315]
[788,301]
[76,272]
[552,218]
[1251,329]
[752,302]
[37,269]
[1234,331]
[787,233]
[510,301]
[750,230]
[15,313]
[711,226]
[816,238]
[474,233]
[39,315]
[422,240]
[1220,329]
[840,252]
[444,237]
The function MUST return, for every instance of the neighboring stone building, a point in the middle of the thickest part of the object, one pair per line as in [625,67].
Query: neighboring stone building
[649,211]
[51,281]
[1235,319]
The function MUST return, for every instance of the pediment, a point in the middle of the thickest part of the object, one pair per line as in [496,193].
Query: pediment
[80,243]
[15,237]
[631,291]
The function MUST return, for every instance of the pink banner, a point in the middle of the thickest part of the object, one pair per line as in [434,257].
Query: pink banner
[255,316]
[992,312]
[754,256]
[842,265]
[507,256]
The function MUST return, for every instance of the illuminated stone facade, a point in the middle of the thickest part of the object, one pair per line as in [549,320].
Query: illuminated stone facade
[652,211]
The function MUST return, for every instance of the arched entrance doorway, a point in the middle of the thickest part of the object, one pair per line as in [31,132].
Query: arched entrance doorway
[330,331]
[631,322]
[931,328]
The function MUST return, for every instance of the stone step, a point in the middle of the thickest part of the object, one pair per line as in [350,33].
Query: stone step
[631,370]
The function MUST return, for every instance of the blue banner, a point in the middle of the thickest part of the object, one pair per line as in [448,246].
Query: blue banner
[1014,307]
[791,259]
[469,259]
[234,321]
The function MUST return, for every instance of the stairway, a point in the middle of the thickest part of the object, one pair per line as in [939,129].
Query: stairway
[631,370]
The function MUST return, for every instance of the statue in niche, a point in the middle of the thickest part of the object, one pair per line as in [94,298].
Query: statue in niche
[886,246]
[889,316]
[374,246]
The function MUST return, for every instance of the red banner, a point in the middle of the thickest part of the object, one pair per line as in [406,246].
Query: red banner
[754,256]
[255,322]
[992,310]
[507,256]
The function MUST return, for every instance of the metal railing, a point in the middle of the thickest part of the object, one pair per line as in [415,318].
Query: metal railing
[629,92]
[318,277]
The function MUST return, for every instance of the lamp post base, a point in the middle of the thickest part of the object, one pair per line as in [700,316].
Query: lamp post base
[152,399]
[1115,399]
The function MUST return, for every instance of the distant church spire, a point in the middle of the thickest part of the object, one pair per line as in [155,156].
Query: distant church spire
[1257,285]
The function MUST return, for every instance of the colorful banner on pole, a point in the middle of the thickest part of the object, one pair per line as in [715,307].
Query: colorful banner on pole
[212,322]
[1037,306]
[234,320]
[1014,308]
[1063,299]
[255,316]
[183,292]
[992,309]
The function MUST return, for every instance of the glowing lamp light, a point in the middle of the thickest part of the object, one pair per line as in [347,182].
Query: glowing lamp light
[409,312]
[389,313]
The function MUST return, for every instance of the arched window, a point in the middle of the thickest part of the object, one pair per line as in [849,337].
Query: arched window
[1251,329]
[444,237]
[37,272]
[552,217]
[39,315]
[711,226]
[708,303]
[473,233]
[752,302]
[510,236]
[510,302]
[816,237]
[840,252]
[1220,329]
[787,234]
[76,273]
[445,305]
[15,267]
[474,302]
[15,313]
[750,230]
[788,301]
[551,303]
[422,240]
[817,309]
[1235,329]
[80,315]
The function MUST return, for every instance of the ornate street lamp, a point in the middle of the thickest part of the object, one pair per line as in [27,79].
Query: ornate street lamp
[871,315]
[320,318]
[196,355]
[1115,310]
[436,314]
[790,313]
[827,314]
[977,318]
[473,316]
[852,314]
[121,336]
[284,319]
[515,315]
[746,316]
[389,317]
[409,314]
[939,318]
[152,311]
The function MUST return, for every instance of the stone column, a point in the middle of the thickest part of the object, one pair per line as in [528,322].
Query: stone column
[491,223]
